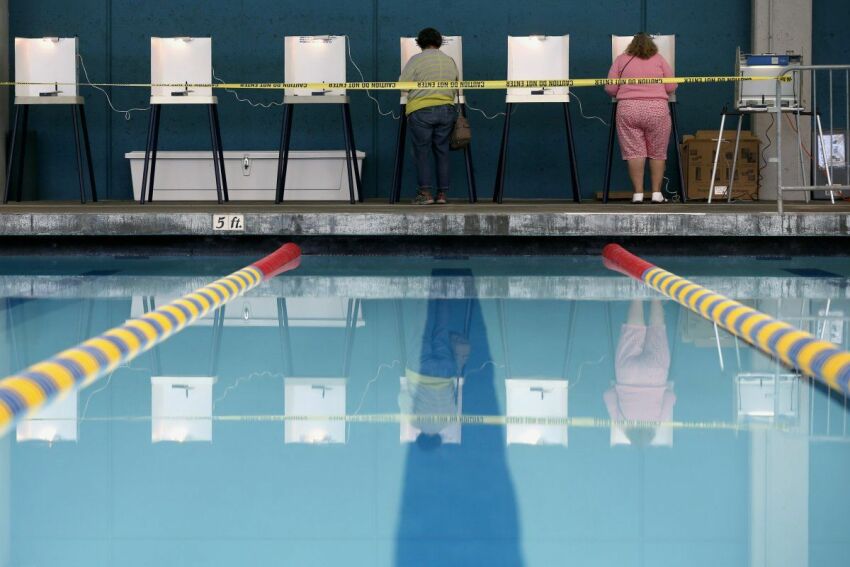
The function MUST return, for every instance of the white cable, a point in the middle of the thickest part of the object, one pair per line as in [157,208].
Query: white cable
[484,114]
[246,100]
[88,82]
[363,80]
[581,110]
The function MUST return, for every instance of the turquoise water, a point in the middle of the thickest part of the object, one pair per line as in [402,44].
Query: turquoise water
[211,449]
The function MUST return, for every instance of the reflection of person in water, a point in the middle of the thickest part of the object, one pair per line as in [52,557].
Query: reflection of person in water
[642,365]
[458,504]
[434,381]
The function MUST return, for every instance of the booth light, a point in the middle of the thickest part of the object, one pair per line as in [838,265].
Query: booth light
[50,40]
[538,37]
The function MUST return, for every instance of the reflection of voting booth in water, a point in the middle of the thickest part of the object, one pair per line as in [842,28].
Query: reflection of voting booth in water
[181,409]
[49,65]
[529,58]
[759,97]
[537,398]
[316,396]
[453,47]
[55,423]
[185,61]
[767,396]
[182,406]
[317,59]
[667,48]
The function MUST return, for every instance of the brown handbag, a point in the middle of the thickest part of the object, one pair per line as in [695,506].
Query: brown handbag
[461,133]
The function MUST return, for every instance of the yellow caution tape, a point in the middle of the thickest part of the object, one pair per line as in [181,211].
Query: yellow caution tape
[419,85]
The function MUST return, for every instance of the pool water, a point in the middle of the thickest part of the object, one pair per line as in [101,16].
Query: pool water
[560,414]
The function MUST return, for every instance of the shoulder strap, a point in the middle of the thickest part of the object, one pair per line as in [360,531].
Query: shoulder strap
[620,76]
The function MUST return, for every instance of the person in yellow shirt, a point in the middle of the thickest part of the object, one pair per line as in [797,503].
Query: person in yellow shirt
[431,114]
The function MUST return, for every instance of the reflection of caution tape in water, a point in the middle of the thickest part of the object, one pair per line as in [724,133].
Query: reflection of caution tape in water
[798,349]
[485,420]
[424,85]
[25,392]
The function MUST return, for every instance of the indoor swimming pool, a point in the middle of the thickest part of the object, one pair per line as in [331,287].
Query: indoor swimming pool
[388,411]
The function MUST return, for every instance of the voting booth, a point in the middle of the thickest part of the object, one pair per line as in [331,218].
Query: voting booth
[317,59]
[759,97]
[313,401]
[667,49]
[181,72]
[536,398]
[531,58]
[181,409]
[46,75]
[453,47]
[57,422]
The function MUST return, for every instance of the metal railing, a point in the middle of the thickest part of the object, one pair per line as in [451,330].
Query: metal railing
[821,157]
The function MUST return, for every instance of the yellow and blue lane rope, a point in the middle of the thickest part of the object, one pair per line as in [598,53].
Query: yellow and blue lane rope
[799,349]
[77,367]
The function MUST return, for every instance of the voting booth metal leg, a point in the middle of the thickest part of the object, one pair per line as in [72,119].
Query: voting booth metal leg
[220,151]
[214,140]
[150,154]
[398,169]
[499,188]
[348,160]
[609,156]
[283,155]
[470,172]
[674,120]
[11,156]
[283,330]
[716,155]
[79,154]
[148,144]
[734,159]
[87,147]
[154,148]
[348,124]
[571,149]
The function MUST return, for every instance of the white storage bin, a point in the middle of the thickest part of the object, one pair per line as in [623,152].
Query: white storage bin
[251,176]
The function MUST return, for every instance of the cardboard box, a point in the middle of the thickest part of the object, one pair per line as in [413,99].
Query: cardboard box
[698,153]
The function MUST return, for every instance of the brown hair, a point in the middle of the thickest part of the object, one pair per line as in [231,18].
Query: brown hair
[642,46]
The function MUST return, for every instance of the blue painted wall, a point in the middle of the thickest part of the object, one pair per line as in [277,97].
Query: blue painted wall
[248,46]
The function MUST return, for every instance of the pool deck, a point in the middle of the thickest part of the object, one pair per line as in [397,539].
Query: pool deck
[379,219]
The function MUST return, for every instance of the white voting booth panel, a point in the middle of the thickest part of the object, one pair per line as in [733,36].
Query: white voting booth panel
[181,408]
[181,60]
[450,434]
[537,398]
[538,57]
[46,60]
[321,312]
[666,47]
[314,59]
[251,175]
[55,423]
[452,46]
[320,397]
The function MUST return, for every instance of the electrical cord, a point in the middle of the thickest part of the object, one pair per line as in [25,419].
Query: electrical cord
[363,80]
[246,100]
[581,110]
[88,82]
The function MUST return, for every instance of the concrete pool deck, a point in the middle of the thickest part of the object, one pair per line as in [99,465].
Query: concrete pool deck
[379,219]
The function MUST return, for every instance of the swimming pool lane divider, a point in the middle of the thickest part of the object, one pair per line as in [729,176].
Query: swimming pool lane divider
[813,357]
[25,392]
